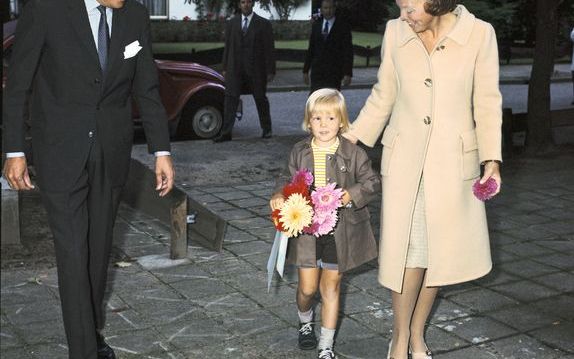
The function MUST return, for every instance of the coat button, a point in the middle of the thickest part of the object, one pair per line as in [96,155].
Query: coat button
[428,82]
[427,120]
[97,81]
[441,47]
[91,134]
[343,169]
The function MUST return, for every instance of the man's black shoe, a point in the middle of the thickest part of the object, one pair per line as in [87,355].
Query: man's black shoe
[266,134]
[222,138]
[104,350]
[307,338]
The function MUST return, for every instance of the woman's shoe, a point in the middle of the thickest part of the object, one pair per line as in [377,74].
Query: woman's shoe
[424,355]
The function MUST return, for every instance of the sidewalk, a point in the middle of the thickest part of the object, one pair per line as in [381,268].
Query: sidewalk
[365,77]
[215,305]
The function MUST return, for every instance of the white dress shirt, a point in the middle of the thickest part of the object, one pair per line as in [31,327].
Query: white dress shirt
[249,17]
[94,18]
[331,22]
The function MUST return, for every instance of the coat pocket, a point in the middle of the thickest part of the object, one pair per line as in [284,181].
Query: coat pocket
[470,166]
[359,215]
[389,141]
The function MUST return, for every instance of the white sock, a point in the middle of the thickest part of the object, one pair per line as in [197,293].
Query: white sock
[305,317]
[326,339]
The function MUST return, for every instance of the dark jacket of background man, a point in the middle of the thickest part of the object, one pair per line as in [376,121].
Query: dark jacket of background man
[329,58]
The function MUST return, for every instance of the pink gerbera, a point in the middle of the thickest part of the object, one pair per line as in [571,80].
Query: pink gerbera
[325,224]
[327,198]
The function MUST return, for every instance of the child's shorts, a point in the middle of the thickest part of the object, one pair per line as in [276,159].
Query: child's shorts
[326,252]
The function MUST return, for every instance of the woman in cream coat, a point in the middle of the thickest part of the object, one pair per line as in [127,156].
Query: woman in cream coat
[438,106]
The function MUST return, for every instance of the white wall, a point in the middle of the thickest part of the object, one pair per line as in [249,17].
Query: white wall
[178,10]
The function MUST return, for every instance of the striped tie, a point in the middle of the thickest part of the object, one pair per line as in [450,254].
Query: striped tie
[103,38]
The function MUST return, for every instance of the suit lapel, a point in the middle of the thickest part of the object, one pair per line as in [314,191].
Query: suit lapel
[81,24]
[115,56]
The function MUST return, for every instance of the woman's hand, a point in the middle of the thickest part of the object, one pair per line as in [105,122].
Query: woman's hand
[492,169]
[277,201]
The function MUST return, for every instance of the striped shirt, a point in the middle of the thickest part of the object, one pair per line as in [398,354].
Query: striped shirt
[320,161]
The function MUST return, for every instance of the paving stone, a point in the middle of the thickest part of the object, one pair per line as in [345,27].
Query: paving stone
[25,293]
[363,278]
[521,347]
[558,260]
[249,248]
[527,268]
[495,277]
[234,235]
[135,252]
[359,302]
[524,317]
[558,336]
[247,282]
[202,287]
[476,330]
[180,272]
[440,340]
[251,223]
[280,295]
[444,310]
[219,206]
[10,338]
[559,305]
[474,352]
[481,300]
[236,213]
[248,324]
[225,305]
[227,266]
[375,347]
[47,351]
[259,261]
[199,332]
[137,342]
[379,320]
[206,198]
[23,314]
[267,234]
[250,202]
[231,195]
[524,291]
[51,331]
[16,353]
[350,330]
[526,249]
[563,281]
[263,211]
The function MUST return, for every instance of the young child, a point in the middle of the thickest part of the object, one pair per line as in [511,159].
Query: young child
[322,261]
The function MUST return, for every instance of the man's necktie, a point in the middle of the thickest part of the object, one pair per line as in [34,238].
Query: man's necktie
[244,27]
[326,30]
[103,38]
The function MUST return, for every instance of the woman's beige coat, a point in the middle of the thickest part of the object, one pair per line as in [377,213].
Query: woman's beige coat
[440,114]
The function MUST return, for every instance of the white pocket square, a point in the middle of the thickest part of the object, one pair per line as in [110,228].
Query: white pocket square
[132,49]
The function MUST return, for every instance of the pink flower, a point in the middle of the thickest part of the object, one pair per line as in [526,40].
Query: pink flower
[303,175]
[324,224]
[484,191]
[327,198]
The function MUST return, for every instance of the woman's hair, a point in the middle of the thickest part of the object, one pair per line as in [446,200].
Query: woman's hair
[326,98]
[439,7]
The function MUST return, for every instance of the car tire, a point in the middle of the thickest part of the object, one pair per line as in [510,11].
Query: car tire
[201,120]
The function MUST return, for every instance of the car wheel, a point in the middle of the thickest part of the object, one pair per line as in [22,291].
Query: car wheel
[201,120]
[207,121]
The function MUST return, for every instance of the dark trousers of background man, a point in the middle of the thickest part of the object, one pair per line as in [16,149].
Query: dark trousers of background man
[231,103]
[82,220]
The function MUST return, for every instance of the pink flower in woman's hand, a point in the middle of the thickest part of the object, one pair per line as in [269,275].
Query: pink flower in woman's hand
[486,190]
[327,198]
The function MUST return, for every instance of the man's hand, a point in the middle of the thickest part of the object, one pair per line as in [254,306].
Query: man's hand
[346,198]
[164,174]
[306,78]
[16,173]
[270,77]
[346,80]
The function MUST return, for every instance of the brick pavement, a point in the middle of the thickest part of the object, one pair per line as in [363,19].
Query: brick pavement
[215,305]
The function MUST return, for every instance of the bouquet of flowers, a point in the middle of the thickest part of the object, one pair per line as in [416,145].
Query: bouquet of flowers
[305,211]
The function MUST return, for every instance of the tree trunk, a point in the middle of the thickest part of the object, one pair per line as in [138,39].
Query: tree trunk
[539,125]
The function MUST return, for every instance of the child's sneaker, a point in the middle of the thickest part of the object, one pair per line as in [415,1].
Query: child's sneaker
[307,338]
[326,353]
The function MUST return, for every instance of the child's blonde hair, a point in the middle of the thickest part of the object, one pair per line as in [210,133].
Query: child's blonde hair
[321,99]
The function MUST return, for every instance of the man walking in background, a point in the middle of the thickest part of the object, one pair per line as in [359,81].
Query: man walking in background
[248,64]
[82,60]
[330,53]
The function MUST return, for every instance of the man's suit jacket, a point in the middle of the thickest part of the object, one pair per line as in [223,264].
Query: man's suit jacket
[332,58]
[72,101]
[261,61]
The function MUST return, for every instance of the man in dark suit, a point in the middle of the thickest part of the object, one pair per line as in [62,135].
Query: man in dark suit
[248,64]
[330,53]
[82,60]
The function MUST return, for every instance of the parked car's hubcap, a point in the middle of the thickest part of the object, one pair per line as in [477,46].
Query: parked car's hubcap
[207,121]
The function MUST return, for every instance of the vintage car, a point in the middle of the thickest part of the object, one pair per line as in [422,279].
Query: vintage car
[191,93]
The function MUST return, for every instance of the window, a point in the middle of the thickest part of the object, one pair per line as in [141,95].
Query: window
[157,8]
